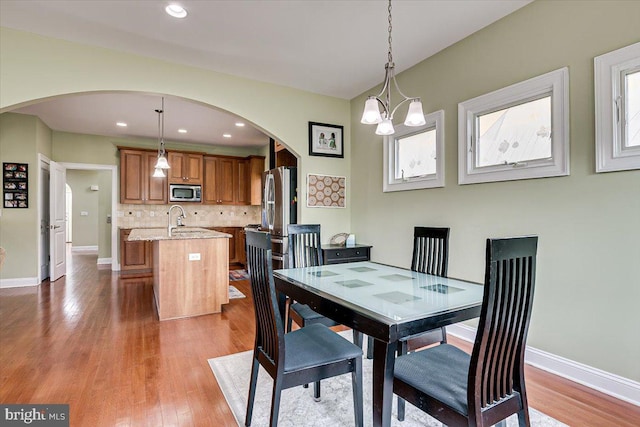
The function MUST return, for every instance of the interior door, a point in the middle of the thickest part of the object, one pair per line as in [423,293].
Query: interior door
[57,228]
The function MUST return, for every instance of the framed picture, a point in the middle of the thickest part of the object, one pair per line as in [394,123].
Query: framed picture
[326,191]
[326,140]
[15,185]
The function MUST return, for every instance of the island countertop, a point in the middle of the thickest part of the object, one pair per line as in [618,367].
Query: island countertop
[180,233]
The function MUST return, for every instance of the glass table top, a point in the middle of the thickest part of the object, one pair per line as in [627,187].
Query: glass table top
[396,293]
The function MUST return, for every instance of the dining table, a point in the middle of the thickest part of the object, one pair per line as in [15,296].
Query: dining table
[384,302]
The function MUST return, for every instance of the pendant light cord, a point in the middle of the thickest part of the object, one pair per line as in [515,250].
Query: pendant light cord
[390,56]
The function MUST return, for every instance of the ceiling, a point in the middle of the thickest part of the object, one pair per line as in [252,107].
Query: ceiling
[335,48]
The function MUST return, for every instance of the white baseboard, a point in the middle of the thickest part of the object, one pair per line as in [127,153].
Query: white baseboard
[19,282]
[85,249]
[102,261]
[597,379]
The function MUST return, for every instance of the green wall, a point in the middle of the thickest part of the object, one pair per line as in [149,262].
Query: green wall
[588,224]
[92,229]
[281,112]
[21,138]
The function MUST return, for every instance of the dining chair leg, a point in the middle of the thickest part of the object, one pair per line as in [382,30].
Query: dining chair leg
[255,366]
[402,349]
[523,418]
[275,401]
[369,348]
[444,335]
[357,338]
[316,391]
[356,384]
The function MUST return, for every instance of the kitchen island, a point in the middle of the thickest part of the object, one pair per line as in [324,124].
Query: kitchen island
[190,270]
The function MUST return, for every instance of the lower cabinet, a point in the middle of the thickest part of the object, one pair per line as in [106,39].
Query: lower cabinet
[334,254]
[136,258]
[237,255]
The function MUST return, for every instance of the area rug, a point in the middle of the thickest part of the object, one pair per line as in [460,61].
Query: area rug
[235,293]
[297,407]
[238,275]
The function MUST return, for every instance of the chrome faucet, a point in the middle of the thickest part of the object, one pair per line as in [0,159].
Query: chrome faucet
[178,220]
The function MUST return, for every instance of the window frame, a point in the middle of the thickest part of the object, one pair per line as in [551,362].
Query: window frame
[555,84]
[433,120]
[609,69]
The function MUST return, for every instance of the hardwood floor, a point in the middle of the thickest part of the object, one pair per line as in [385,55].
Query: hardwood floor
[93,340]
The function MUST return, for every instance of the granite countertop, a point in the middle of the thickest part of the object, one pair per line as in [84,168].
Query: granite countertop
[176,234]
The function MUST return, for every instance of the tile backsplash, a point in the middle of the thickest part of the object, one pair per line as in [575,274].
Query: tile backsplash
[132,216]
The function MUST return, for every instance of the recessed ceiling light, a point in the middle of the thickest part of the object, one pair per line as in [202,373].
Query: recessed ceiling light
[176,11]
[121,124]
[182,131]
[227,135]
[240,124]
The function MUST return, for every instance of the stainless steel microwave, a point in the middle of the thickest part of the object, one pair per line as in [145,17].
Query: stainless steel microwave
[185,193]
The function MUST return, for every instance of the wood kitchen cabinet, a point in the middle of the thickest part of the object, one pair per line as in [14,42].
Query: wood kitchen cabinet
[232,180]
[186,168]
[137,186]
[255,169]
[136,258]
[222,181]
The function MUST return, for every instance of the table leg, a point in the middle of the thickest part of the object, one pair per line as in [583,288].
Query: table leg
[383,362]
[282,306]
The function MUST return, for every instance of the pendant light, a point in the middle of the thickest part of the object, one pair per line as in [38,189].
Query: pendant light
[162,162]
[372,113]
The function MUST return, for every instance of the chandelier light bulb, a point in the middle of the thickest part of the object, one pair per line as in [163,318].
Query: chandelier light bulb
[415,116]
[158,173]
[371,114]
[385,127]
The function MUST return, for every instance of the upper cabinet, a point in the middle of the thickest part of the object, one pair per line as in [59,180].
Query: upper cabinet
[137,186]
[225,180]
[231,180]
[186,168]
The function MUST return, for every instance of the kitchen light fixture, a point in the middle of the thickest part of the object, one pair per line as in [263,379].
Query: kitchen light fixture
[372,114]
[176,11]
[226,135]
[162,159]
[182,131]
[121,124]
[240,124]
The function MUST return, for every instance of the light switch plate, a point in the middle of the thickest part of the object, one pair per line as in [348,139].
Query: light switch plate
[194,257]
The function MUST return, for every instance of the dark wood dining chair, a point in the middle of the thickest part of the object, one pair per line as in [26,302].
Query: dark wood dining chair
[430,256]
[305,250]
[486,387]
[302,356]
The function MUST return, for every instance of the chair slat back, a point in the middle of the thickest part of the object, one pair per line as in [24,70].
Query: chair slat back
[304,245]
[497,361]
[269,325]
[430,250]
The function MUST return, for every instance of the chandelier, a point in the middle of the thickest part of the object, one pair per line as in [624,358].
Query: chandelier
[372,113]
[162,162]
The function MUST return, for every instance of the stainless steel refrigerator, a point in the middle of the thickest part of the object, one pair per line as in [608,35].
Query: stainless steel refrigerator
[279,209]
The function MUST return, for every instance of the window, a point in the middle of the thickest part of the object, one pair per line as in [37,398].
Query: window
[414,156]
[518,132]
[617,93]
